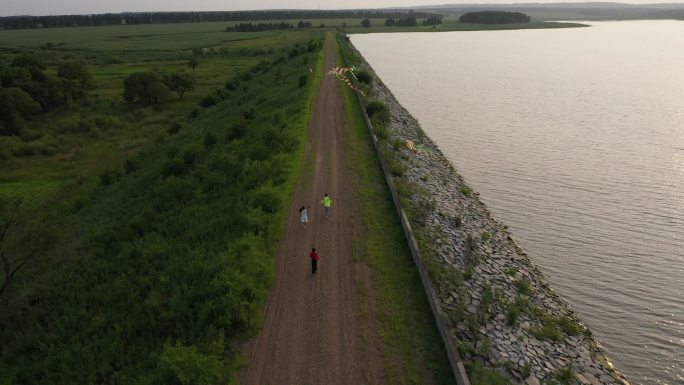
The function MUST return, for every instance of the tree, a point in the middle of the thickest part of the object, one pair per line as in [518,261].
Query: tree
[180,82]
[365,23]
[30,244]
[76,71]
[14,76]
[433,20]
[494,17]
[193,63]
[15,103]
[389,23]
[147,87]
[408,21]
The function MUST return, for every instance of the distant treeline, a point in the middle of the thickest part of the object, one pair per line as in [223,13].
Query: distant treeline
[494,17]
[250,27]
[22,22]
[410,21]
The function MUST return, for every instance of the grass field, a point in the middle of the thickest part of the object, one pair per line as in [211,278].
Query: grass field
[113,53]
[111,195]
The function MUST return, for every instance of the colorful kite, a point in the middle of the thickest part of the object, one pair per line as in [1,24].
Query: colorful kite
[341,74]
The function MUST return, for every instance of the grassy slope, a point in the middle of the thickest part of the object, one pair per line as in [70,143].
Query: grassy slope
[112,53]
[414,353]
[162,265]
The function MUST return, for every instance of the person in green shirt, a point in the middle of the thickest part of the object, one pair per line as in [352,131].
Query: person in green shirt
[327,202]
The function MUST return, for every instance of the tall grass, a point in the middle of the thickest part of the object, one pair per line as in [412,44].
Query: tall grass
[168,253]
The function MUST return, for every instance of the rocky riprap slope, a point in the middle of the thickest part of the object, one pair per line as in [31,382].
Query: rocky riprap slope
[503,314]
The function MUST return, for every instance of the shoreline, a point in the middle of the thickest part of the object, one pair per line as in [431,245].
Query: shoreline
[504,315]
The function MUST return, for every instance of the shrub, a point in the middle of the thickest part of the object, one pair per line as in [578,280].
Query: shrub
[548,331]
[175,128]
[380,131]
[130,166]
[486,302]
[485,236]
[396,168]
[190,367]
[209,100]
[481,375]
[523,286]
[513,311]
[564,376]
[364,77]
[173,167]
[378,111]
[569,326]
[209,140]
[526,370]
[107,178]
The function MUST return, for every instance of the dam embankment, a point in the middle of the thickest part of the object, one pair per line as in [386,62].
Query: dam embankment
[502,315]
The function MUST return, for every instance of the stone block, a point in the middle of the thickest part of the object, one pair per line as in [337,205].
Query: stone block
[582,379]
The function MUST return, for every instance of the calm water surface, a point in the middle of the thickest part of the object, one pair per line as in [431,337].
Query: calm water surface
[575,139]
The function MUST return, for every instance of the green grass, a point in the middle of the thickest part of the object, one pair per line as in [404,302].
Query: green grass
[163,240]
[524,287]
[414,350]
[480,375]
[555,328]
[112,53]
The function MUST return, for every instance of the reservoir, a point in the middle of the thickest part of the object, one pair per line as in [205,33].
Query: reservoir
[575,140]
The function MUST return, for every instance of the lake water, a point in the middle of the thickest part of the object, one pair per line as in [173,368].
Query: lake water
[575,140]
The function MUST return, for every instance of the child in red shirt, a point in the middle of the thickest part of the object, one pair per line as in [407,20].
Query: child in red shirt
[314,260]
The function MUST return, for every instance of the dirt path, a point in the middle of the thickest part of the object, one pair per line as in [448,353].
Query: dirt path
[311,334]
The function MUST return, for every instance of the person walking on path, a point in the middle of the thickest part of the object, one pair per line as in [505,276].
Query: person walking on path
[304,212]
[327,202]
[314,260]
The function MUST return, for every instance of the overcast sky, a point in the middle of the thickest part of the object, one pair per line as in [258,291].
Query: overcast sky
[65,7]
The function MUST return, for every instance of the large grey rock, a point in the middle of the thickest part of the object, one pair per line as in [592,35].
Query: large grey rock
[582,380]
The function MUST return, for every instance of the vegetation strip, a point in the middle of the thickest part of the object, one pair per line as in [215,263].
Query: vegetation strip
[413,349]
[154,264]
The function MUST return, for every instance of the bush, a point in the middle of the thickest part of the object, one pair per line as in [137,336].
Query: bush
[547,331]
[209,140]
[378,111]
[396,168]
[190,367]
[524,287]
[364,77]
[130,166]
[107,178]
[175,128]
